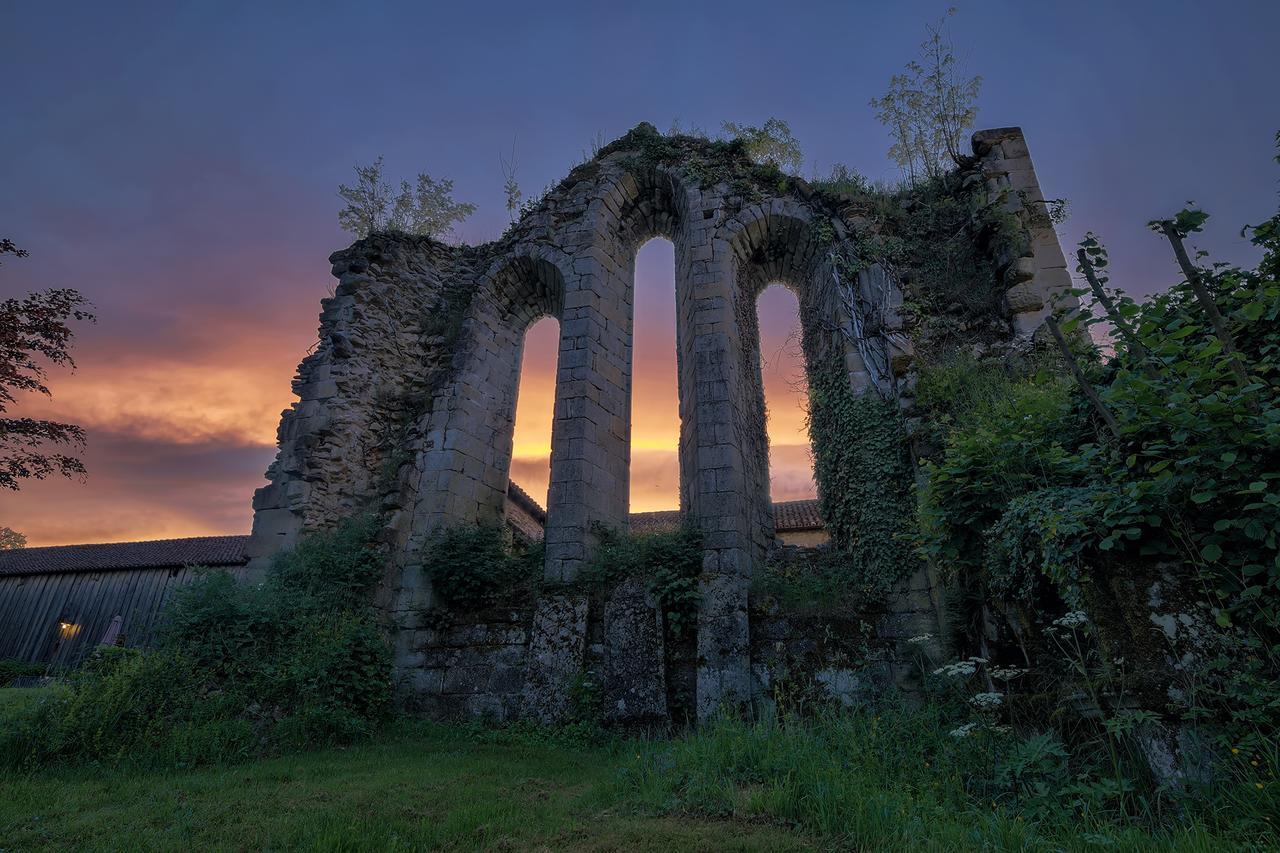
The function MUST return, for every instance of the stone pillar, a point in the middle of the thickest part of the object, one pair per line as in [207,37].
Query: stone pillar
[591,433]
[1038,279]
[716,430]
[590,457]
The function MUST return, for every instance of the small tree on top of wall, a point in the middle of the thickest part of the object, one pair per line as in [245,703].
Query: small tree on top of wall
[770,143]
[427,209]
[929,108]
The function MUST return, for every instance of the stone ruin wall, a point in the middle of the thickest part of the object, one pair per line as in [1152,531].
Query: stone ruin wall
[407,406]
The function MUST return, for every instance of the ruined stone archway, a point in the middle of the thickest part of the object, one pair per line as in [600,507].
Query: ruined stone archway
[407,405]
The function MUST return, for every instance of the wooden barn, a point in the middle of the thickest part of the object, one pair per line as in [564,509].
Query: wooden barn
[58,603]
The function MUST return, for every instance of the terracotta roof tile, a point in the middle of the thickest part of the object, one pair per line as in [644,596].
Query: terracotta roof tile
[797,515]
[787,515]
[662,521]
[197,550]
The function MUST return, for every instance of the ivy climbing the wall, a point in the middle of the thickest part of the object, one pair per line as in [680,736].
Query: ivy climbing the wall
[864,478]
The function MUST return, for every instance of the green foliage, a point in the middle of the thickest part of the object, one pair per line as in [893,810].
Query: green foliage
[709,162]
[843,180]
[471,565]
[240,669]
[1033,501]
[11,669]
[11,540]
[928,109]
[893,779]
[943,239]
[670,563]
[771,143]
[864,478]
[822,581]
[427,209]
[1007,439]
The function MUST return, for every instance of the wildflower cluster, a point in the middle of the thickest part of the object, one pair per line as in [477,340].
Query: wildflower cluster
[1073,620]
[986,701]
[960,669]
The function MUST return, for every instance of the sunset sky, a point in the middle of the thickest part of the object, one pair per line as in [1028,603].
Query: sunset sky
[177,163]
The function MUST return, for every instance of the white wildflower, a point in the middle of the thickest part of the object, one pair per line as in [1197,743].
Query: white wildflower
[1074,619]
[960,669]
[920,640]
[1007,673]
[964,731]
[987,701]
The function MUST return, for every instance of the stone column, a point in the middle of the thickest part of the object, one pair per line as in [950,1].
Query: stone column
[716,429]
[590,458]
[591,433]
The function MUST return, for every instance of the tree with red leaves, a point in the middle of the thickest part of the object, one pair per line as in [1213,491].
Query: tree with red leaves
[33,330]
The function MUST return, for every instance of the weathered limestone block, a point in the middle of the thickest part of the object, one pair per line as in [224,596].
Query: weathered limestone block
[557,647]
[635,687]
[1040,278]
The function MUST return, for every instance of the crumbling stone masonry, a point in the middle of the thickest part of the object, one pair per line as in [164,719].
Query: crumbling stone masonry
[406,406]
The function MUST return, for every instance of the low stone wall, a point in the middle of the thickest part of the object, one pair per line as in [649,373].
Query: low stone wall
[472,667]
[845,656]
[636,672]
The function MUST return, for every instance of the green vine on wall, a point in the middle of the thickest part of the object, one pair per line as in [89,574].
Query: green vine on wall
[864,476]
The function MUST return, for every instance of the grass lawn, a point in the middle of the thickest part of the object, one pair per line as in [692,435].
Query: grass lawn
[425,786]
[857,781]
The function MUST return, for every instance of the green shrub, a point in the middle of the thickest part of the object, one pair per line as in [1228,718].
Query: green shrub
[1040,504]
[472,565]
[11,669]
[240,669]
[670,563]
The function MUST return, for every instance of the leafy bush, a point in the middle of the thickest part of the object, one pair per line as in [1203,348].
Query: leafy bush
[1158,476]
[240,669]
[11,669]
[471,565]
[670,562]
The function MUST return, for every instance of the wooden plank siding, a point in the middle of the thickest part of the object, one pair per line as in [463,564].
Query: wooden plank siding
[32,606]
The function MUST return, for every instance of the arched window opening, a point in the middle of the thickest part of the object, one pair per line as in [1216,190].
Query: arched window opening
[535,409]
[655,396]
[786,394]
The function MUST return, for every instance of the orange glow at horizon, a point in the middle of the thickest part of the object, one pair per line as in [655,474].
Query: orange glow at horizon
[655,403]
[178,439]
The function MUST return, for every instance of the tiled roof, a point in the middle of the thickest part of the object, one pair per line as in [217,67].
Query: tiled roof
[662,521]
[522,499]
[787,516]
[156,553]
[797,515]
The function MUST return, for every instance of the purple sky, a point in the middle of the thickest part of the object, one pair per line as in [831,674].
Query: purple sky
[177,163]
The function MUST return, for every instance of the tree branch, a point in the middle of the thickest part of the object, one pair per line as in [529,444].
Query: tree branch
[1110,307]
[1207,303]
[1105,413]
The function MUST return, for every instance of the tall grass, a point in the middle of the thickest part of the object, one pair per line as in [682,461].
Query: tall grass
[894,779]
